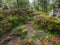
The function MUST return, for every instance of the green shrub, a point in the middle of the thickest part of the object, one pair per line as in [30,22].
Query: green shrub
[1,17]
[50,24]
[19,32]
[14,20]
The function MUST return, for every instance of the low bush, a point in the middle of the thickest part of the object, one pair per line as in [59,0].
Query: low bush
[46,23]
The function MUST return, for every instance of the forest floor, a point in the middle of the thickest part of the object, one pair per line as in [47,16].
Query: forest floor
[9,40]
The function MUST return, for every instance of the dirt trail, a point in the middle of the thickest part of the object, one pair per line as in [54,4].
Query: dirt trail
[14,40]
[30,28]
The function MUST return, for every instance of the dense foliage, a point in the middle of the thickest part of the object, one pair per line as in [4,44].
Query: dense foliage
[9,19]
[47,23]
[40,5]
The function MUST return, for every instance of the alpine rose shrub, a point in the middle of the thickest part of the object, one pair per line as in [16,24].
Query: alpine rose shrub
[56,41]
[46,23]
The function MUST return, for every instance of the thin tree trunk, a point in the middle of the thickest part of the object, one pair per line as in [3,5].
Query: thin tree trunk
[17,3]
